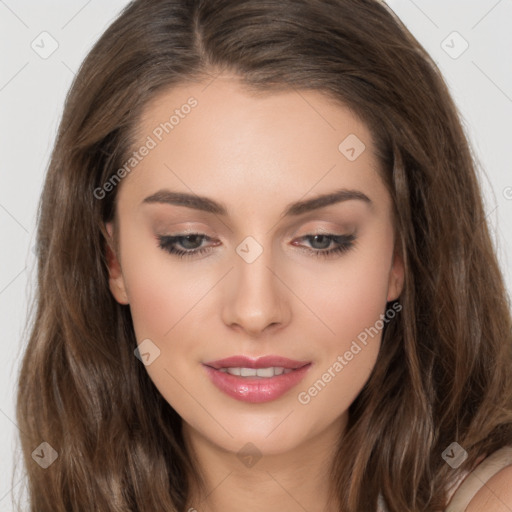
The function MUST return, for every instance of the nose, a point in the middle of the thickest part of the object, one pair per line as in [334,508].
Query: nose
[255,300]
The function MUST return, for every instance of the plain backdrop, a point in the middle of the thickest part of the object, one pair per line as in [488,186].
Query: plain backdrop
[470,40]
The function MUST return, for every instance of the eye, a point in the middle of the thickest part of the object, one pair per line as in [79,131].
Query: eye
[191,244]
[342,243]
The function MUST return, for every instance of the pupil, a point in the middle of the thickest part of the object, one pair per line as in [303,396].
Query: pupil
[325,245]
[186,241]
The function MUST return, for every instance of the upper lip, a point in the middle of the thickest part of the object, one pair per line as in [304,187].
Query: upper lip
[260,362]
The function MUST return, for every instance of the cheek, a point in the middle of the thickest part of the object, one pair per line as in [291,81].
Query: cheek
[350,301]
[170,301]
[352,296]
[154,286]
[166,307]
[153,300]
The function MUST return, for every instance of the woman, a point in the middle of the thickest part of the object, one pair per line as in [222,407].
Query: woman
[266,281]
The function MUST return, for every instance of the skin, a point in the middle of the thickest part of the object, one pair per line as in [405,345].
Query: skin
[495,495]
[256,155]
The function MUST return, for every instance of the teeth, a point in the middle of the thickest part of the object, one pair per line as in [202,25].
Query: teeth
[259,372]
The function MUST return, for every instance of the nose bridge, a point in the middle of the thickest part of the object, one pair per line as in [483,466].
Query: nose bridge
[257,299]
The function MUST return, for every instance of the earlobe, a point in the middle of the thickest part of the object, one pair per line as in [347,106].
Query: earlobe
[116,279]
[396,277]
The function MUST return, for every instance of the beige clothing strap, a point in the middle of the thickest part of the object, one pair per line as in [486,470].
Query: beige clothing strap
[478,477]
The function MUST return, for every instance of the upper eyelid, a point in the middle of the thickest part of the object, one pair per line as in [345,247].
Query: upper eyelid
[313,232]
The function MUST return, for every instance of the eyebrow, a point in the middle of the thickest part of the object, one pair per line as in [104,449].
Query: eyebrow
[298,208]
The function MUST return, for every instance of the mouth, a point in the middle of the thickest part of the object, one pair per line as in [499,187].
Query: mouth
[256,380]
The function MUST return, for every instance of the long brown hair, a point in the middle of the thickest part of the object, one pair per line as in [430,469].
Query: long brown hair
[444,370]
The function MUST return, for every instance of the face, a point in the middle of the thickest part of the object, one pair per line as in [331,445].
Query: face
[255,269]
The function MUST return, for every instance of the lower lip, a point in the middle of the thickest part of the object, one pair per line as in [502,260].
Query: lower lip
[254,390]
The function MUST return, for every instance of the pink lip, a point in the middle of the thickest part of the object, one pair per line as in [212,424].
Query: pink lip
[254,389]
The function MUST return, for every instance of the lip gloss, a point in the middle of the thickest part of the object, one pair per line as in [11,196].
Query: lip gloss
[255,389]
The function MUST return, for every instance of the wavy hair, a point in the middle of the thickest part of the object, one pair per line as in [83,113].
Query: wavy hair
[444,370]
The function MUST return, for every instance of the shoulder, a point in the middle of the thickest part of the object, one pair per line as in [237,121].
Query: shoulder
[487,487]
[495,495]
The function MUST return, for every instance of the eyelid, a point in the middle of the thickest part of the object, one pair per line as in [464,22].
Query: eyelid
[324,228]
[181,228]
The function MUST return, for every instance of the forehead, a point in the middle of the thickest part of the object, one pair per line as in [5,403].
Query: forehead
[221,140]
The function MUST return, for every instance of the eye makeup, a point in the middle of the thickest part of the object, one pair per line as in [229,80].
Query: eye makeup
[180,245]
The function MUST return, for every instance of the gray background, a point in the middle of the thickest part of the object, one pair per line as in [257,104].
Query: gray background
[32,91]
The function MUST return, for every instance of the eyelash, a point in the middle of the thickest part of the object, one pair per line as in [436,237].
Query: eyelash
[167,243]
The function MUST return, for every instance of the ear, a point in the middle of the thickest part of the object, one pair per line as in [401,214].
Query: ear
[116,280]
[396,276]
